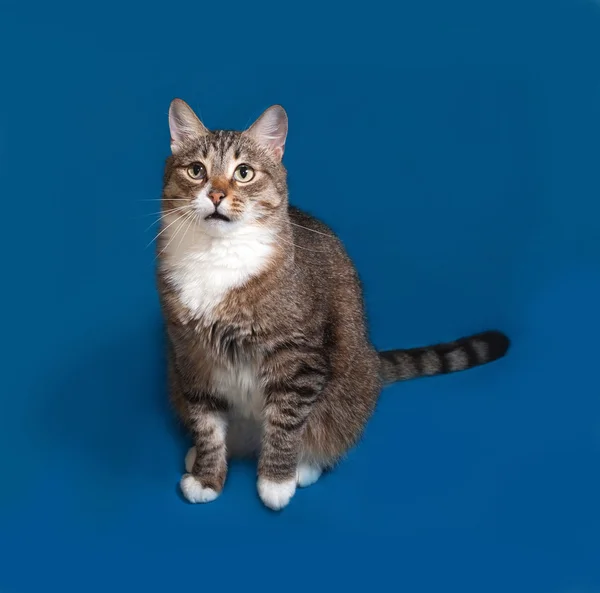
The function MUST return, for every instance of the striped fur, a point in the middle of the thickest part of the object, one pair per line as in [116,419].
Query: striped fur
[269,354]
[460,355]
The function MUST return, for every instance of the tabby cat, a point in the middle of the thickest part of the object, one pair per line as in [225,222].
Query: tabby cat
[267,343]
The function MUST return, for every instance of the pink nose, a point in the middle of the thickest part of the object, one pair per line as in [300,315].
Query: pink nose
[216,195]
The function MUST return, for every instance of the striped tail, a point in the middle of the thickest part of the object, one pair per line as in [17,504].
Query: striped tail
[399,365]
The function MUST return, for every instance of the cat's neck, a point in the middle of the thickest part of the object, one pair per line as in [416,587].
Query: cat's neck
[204,268]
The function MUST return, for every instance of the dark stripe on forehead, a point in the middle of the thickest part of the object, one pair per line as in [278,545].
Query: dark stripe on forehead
[190,154]
[215,140]
[231,139]
[221,143]
[226,140]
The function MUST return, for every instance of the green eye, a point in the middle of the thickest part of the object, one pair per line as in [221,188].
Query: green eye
[196,171]
[244,173]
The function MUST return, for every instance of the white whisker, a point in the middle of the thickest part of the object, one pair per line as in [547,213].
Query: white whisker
[277,234]
[161,232]
[300,246]
[179,208]
[313,230]
[192,221]
[185,218]
[164,199]
[160,213]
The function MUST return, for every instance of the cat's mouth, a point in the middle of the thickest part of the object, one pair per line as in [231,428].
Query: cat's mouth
[217,216]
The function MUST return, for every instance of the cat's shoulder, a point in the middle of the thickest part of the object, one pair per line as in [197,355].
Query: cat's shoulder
[301,219]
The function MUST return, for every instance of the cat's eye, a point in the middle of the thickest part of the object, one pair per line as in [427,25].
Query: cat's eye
[244,173]
[196,171]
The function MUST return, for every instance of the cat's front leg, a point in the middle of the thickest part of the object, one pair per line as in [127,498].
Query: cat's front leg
[293,381]
[208,471]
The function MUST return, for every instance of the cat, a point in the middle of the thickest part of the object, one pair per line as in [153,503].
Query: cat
[268,351]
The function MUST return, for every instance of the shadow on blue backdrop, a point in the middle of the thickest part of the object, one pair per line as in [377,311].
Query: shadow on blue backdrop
[460,168]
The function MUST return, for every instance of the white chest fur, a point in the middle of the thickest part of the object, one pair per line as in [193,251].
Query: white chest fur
[204,268]
[241,387]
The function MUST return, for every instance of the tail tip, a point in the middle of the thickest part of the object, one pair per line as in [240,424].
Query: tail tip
[498,343]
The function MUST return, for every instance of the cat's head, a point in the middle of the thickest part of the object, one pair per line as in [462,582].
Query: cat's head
[224,181]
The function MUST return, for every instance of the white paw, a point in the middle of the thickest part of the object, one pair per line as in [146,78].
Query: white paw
[276,495]
[307,474]
[189,459]
[193,490]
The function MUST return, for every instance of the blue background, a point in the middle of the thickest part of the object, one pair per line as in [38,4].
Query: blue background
[472,128]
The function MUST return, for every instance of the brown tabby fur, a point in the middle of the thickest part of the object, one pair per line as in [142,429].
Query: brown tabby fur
[299,324]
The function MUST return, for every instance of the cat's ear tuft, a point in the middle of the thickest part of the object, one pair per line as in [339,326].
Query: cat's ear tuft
[270,130]
[183,124]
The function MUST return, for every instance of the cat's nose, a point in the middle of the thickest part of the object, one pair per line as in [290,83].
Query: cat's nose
[216,195]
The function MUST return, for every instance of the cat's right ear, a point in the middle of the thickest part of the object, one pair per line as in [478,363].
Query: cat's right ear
[183,124]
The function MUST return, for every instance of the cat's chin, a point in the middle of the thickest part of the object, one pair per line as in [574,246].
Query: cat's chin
[217,227]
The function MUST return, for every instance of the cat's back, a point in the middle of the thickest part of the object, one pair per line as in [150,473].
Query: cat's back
[312,235]
[320,252]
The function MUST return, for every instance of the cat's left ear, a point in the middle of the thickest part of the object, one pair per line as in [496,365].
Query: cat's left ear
[270,130]
[183,124]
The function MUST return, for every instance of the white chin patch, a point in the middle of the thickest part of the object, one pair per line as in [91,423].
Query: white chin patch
[276,495]
[194,492]
[307,474]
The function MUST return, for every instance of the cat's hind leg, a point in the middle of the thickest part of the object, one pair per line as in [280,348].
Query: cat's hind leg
[307,474]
